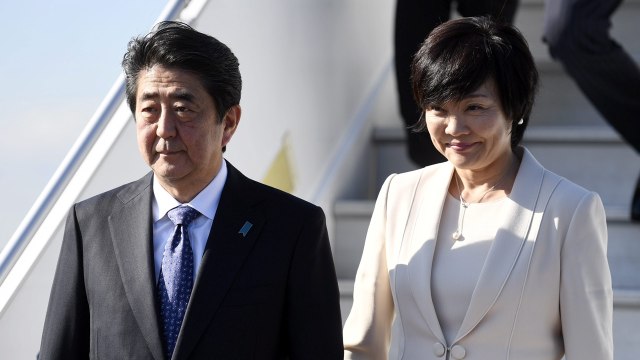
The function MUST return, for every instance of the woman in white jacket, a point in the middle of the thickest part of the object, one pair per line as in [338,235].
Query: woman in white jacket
[488,255]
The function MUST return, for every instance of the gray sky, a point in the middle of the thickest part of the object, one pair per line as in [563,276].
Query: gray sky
[59,59]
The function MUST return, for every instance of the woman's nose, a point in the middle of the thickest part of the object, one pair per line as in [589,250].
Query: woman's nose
[455,125]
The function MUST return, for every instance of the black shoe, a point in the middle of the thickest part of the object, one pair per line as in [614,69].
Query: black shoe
[635,204]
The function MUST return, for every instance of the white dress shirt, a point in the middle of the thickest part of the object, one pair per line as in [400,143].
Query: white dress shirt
[206,202]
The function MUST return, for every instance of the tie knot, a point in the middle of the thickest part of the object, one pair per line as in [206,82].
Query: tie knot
[183,215]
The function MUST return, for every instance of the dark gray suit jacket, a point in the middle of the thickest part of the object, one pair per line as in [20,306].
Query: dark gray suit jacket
[269,294]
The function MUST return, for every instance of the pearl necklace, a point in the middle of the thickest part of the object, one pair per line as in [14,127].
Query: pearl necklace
[457,235]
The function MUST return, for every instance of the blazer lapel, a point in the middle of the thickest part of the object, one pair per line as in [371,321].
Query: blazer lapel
[131,235]
[508,244]
[422,232]
[234,232]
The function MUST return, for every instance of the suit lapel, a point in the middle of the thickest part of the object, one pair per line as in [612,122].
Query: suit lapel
[421,236]
[226,250]
[508,244]
[131,235]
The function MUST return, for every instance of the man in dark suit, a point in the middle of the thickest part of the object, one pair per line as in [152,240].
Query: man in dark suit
[194,260]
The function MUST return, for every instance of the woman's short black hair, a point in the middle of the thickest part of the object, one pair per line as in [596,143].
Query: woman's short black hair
[459,55]
[177,45]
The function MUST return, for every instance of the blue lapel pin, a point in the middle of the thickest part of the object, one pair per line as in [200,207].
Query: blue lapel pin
[245,228]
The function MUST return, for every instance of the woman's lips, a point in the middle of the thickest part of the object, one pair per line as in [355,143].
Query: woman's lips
[460,146]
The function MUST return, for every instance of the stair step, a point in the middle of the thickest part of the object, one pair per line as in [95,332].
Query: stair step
[592,156]
[621,297]
[559,100]
[346,297]
[572,133]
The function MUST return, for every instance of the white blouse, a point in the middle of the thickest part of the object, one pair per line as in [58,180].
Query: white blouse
[457,263]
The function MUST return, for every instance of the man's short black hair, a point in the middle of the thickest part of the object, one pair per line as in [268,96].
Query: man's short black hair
[177,45]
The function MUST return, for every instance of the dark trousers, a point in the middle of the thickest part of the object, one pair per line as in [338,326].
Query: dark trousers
[414,21]
[577,32]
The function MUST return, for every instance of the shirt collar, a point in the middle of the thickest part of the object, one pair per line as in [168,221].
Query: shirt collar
[206,202]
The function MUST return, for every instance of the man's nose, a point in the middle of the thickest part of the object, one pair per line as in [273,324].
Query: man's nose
[166,125]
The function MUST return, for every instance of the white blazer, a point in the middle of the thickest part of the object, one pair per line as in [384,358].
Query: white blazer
[544,291]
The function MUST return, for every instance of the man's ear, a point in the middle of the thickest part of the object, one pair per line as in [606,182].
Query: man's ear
[230,123]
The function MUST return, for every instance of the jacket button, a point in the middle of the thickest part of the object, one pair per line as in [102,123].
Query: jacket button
[458,352]
[438,349]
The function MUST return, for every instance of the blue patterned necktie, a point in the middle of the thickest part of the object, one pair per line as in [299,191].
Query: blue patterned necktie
[176,276]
